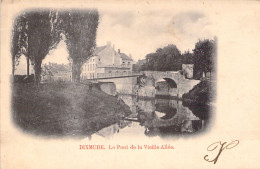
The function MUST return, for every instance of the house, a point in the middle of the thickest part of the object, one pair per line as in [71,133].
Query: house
[106,60]
[56,72]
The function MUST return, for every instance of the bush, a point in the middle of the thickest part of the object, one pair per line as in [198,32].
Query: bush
[200,93]
[23,78]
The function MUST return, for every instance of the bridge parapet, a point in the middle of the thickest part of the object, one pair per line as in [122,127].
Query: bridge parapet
[157,75]
[120,74]
[129,83]
[183,84]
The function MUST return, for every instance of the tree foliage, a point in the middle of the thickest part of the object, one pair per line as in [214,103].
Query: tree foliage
[204,57]
[164,59]
[79,28]
[34,35]
[18,43]
[169,58]
[187,58]
[42,37]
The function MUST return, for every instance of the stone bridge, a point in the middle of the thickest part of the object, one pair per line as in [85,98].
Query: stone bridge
[149,83]
[175,84]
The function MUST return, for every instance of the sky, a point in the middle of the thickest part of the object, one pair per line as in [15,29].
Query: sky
[139,32]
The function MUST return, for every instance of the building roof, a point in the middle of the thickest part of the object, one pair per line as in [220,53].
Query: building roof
[125,57]
[122,55]
[99,49]
[55,68]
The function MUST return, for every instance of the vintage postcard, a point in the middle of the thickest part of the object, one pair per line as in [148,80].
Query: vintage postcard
[130,84]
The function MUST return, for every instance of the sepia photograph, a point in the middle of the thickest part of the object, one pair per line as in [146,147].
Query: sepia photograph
[71,78]
[129,84]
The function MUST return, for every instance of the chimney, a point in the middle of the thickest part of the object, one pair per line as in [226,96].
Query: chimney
[118,50]
[130,55]
[108,43]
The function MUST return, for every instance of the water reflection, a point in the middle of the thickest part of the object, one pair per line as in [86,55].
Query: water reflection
[158,117]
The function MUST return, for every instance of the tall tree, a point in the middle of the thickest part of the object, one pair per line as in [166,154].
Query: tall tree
[34,35]
[187,57]
[41,37]
[80,29]
[172,59]
[18,43]
[204,55]
[150,62]
[164,59]
[15,46]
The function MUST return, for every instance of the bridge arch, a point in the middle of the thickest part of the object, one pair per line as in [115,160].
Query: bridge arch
[166,86]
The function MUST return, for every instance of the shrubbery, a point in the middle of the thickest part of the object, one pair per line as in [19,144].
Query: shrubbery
[23,78]
[199,94]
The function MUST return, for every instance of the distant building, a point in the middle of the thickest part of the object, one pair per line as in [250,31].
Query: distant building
[106,60]
[56,72]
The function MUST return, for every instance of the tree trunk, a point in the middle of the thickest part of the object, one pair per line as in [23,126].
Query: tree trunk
[13,65]
[28,66]
[37,69]
[76,71]
[13,69]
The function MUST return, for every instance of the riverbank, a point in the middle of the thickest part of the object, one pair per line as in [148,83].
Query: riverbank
[63,109]
[202,94]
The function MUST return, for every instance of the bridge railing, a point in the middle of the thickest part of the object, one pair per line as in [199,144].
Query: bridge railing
[116,74]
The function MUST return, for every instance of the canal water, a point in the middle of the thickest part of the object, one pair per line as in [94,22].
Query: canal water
[158,118]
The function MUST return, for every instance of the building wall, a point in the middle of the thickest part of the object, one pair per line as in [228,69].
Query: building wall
[88,69]
[128,63]
[100,70]
[106,61]
[109,56]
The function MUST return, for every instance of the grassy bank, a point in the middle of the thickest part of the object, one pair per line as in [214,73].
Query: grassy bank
[60,109]
[202,93]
